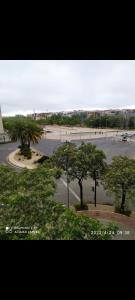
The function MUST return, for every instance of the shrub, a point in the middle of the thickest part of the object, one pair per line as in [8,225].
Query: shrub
[42,159]
[26,151]
[78,207]
[126,212]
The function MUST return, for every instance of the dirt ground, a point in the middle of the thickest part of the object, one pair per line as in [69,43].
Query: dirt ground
[64,133]
[20,161]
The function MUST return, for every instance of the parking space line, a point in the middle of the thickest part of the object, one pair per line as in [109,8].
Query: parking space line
[72,192]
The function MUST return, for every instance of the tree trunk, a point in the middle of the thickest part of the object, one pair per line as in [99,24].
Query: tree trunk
[81,193]
[123,199]
[22,143]
[68,204]
[95,193]
[29,144]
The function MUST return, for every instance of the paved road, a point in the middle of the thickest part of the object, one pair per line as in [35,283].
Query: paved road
[5,150]
[111,147]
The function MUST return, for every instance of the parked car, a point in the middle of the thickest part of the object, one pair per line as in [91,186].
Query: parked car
[124,139]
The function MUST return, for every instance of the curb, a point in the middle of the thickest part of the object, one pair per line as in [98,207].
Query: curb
[20,165]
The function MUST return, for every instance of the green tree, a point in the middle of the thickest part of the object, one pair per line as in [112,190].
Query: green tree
[97,169]
[120,180]
[70,226]
[28,205]
[79,170]
[63,158]
[23,202]
[94,162]
[25,131]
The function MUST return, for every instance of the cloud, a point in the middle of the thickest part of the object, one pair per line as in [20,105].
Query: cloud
[63,85]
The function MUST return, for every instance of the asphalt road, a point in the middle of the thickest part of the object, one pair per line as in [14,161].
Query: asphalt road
[111,147]
[5,150]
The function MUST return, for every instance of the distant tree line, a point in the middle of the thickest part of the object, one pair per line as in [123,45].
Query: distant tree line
[81,119]
[117,121]
[59,119]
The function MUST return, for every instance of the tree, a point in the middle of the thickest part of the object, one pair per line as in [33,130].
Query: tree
[26,131]
[23,204]
[79,163]
[79,170]
[120,180]
[64,158]
[70,226]
[97,168]
[94,162]
[28,212]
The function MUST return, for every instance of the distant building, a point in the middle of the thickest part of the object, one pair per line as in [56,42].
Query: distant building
[39,116]
[129,112]
[96,113]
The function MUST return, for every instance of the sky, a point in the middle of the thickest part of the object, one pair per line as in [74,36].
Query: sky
[58,85]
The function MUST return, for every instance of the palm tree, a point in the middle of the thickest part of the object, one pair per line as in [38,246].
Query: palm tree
[33,133]
[26,131]
[17,131]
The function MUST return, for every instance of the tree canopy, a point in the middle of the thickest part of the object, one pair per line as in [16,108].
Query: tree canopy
[120,180]
[25,131]
[27,210]
[80,163]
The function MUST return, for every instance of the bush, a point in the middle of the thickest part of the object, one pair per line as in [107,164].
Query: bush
[42,159]
[26,151]
[126,212]
[78,207]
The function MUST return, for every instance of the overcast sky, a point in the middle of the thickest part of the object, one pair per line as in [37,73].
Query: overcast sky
[65,85]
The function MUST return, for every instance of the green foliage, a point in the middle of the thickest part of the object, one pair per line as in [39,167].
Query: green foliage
[24,130]
[28,213]
[80,163]
[59,119]
[43,159]
[64,156]
[26,151]
[67,225]
[126,211]
[116,121]
[78,207]
[79,119]
[120,180]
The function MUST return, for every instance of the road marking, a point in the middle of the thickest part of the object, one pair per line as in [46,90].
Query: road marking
[73,193]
